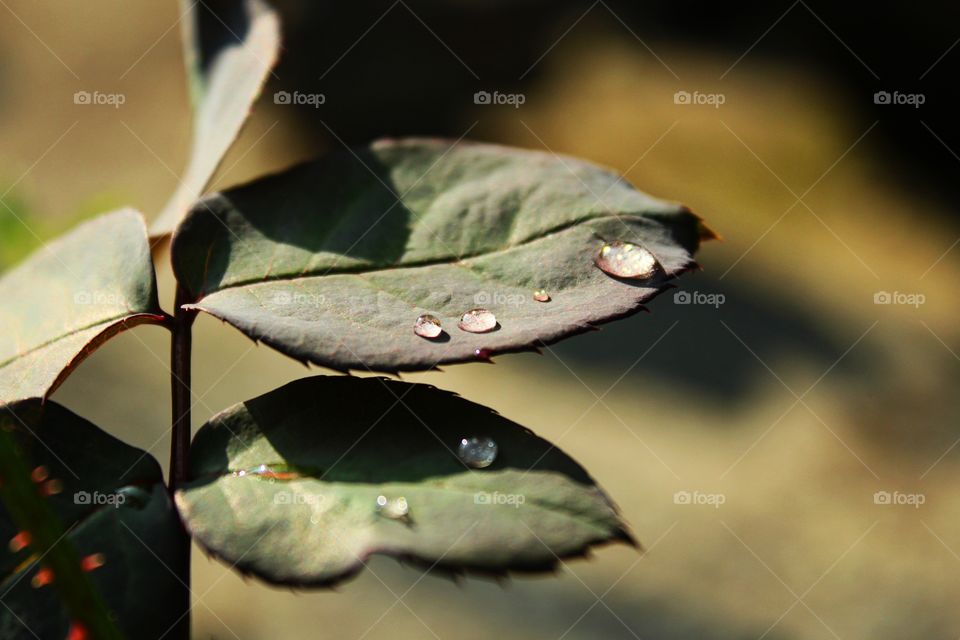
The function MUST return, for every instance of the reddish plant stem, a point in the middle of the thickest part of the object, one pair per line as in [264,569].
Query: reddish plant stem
[180,351]
[180,390]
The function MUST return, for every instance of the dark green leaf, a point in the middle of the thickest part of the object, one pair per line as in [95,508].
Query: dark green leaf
[112,502]
[24,493]
[332,445]
[333,261]
[230,47]
[71,296]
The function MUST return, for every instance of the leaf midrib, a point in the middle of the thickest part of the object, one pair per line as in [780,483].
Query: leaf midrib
[109,321]
[365,269]
[430,483]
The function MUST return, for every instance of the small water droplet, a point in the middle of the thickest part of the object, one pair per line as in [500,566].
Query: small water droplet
[393,508]
[427,326]
[270,473]
[42,578]
[478,453]
[482,354]
[626,260]
[19,541]
[541,295]
[93,561]
[477,321]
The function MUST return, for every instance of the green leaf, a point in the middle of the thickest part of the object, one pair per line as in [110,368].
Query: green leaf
[285,486]
[27,504]
[332,262]
[111,501]
[230,46]
[71,296]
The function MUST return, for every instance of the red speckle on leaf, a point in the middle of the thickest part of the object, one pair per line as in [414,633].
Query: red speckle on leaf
[19,541]
[77,632]
[43,577]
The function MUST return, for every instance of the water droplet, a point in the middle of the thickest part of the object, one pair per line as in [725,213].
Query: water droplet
[478,453]
[270,473]
[19,541]
[626,260]
[477,321]
[42,578]
[541,295]
[40,474]
[482,354]
[393,508]
[427,326]
[93,561]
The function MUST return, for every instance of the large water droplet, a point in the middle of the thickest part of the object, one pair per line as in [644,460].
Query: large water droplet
[626,260]
[478,453]
[540,295]
[477,321]
[427,326]
[393,508]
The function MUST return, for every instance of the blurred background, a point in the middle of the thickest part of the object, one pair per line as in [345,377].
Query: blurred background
[783,439]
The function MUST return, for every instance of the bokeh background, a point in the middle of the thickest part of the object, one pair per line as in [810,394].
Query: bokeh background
[784,391]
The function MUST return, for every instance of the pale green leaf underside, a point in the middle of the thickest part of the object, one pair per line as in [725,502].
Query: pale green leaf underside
[332,262]
[69,297]
[350,440]
[230,46]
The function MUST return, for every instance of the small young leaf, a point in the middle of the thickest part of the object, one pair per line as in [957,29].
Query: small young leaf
[230,46]
[116,513]
[333,261]
[301,485]
[71,296]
